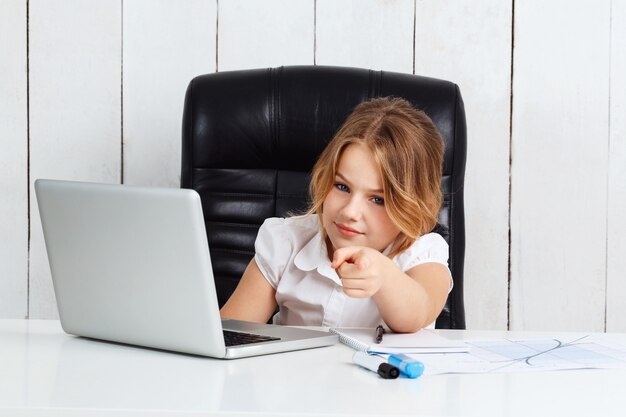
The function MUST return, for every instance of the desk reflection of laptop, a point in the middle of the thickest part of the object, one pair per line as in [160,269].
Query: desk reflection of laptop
[132,265]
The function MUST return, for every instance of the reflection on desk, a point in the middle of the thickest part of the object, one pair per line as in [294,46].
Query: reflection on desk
[45,372]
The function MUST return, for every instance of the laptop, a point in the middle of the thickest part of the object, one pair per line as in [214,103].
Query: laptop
[132,265]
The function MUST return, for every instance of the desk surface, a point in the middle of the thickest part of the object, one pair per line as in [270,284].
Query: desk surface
[45,372]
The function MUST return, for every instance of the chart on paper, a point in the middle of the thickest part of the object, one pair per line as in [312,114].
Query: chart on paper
[504,355]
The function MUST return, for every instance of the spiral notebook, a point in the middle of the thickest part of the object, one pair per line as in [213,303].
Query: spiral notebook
[423,341]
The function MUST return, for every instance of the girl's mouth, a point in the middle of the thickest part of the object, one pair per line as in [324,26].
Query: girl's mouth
[347,231]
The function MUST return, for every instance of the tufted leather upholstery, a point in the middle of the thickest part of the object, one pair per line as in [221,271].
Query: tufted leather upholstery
[250,138]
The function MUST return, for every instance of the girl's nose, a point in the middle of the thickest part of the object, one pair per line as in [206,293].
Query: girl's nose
[353,210]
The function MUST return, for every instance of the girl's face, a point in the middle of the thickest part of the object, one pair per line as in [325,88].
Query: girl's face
[354,210]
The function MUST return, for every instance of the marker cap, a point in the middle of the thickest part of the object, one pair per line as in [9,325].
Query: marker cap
[388,371]
[407,365]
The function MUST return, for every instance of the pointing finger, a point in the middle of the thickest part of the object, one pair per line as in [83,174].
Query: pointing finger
[342,255]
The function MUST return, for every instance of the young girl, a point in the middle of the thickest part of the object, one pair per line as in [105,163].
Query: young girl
[362,255]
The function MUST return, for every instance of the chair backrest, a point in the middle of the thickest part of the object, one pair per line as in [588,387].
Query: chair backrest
[251,137]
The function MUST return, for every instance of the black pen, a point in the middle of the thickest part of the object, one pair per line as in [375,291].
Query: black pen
[380,331]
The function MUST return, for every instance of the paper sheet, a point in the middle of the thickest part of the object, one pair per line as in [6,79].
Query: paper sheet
[504,355]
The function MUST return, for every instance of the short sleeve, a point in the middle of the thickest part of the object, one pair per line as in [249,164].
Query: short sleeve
[273,248]
[430,247]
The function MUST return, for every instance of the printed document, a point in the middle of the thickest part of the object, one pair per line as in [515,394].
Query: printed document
[504,355]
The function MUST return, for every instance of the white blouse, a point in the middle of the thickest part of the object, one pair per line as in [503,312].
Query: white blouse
[292,256]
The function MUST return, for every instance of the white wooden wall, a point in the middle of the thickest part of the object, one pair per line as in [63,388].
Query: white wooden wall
[616,210]
[93,90]
[166,43]
[560,162]
[13,161]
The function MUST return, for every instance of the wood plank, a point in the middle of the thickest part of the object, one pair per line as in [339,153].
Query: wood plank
[13,161]
[559,165]
[166,44]
[616,225]
[75,109]
[378,35]
[269,33]
[469,43]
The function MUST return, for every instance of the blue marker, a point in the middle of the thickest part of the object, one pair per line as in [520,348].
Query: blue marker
[407,365]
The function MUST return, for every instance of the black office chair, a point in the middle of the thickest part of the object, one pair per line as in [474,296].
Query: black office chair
[250,139]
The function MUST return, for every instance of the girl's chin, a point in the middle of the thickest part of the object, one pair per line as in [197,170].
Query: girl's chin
[339,242]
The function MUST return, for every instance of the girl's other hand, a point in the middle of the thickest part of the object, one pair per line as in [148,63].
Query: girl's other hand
[361,269]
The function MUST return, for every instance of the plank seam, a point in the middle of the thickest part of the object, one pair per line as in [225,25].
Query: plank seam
[508,307]
[28,199]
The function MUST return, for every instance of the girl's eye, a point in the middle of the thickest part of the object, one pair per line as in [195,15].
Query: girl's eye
[342,187]
[378,200]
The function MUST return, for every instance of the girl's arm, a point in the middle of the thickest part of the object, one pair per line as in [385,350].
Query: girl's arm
[407,301]
[411,301]
[253,299]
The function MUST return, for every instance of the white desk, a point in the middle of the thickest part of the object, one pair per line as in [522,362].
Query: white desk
[45,372]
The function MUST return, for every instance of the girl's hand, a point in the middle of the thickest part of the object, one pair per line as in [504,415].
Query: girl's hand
[362,270]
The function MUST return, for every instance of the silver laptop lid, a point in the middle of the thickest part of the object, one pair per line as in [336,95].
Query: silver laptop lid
[131,264]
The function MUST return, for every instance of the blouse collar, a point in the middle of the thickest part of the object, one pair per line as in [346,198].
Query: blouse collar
[314,255]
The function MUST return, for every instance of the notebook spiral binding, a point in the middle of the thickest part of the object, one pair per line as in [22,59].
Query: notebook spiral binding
[348,341]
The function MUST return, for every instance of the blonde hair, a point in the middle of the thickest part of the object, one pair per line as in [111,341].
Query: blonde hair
[409,151]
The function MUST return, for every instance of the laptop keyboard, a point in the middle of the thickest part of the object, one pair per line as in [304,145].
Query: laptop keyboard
[238,338]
